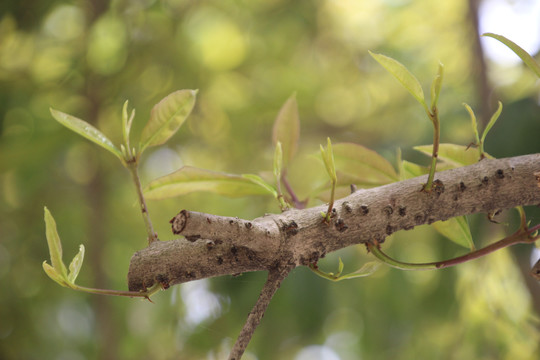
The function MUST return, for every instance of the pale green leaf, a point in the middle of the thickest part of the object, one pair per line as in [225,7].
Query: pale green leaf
[492,121]
[361,166]
[126,124]
[166,118]
[366,270]
[436,86]
[278,161]
[86,130]
[287,129]
[55,246]
[456,229]
[473,123]
[75,265]
[527,59]
[256,179]
[328,159]
[411,170]
[452,154]
[54,275]
[190,179]
[125,129]
[340,266]
[403,75]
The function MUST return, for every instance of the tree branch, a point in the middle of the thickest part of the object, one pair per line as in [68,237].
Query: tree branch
[215,245]
[273,282]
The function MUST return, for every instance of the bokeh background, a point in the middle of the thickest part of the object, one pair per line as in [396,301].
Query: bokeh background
[247,57]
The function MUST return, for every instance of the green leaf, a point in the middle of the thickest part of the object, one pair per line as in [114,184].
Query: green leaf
[287,129]
[436,86]
[527,59]
[340,267]
[190,179]
[456,229]
[473,123]
[278,161]
[256,179]
[452,154]
[328,159]
[54,275]
[55,246]
[126,124]
[491,122]
[166,118]
[361,166]
[86,130]
[75,265]
[366,270]
[403,75]
[411,170]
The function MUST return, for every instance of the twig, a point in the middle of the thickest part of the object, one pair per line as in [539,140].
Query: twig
[519,237]
[273,282]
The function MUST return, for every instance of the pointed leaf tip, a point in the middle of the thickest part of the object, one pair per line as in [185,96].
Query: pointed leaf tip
[76,264]
[54,244]
[519,51]
[403,75]
[86,130]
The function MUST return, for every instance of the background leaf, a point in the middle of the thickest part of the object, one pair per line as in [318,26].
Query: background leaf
[286,129]
[190,179]
[456,229]
[527,59]
[86,130]
[166,117]
[356,164]
[403,75]
[453,155]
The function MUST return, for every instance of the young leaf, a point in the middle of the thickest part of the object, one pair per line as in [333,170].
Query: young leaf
[75,265]
[341,266]
[54,275]
[527,59]
[86,130]
[366,270]
[436,87]
[359,165]
[287,129]
[256,179]
[278,162]
[411,170]
[328,159]
[456,229]
[403,75]
[491,122]
[190,179]
[126,126]
[55,246]
[166,118]
[473,123]
[452,154]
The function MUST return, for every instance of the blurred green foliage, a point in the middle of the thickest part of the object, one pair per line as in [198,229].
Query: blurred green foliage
[246,58]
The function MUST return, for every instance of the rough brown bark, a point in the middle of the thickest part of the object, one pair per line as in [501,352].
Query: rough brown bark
[215,246]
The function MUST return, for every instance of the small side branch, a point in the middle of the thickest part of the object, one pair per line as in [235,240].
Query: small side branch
[522,236]
[273,282]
